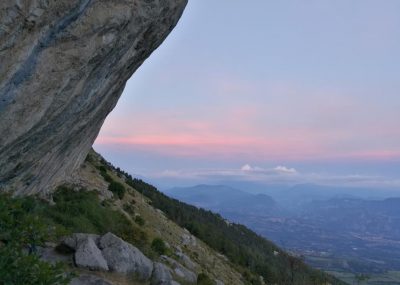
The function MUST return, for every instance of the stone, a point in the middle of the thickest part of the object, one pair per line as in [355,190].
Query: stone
[89,256]
[124,258]
[87,279]
[64,65]
[72,242]
[180,270]
[186,261]
[219,282]
[188,239]
[161,274]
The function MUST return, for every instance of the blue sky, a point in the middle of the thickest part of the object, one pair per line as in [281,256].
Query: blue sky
[310,86]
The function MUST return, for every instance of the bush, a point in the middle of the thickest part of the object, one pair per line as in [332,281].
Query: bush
[117,188]
[203,279]
[21,231]
[139,220]
[82,212]
[158,245]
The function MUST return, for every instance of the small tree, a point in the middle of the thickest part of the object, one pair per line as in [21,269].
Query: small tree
[117,188]
[158,245]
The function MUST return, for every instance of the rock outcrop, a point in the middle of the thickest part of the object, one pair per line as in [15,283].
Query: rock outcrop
[109,253]
[63,67]
[161,274]
[123,257]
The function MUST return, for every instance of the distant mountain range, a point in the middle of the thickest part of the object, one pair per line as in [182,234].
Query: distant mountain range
[220,198]
[335,228]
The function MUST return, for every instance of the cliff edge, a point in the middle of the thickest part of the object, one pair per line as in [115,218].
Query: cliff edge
[63,67]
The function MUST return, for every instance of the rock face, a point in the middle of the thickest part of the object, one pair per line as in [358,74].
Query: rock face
[63,67]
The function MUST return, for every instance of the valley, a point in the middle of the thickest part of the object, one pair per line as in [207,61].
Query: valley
[342,234]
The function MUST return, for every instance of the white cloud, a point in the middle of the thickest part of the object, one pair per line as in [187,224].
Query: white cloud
[281,170]
[246,167]
[284,170]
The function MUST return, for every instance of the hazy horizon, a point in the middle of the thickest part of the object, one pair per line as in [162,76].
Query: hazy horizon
[278,92]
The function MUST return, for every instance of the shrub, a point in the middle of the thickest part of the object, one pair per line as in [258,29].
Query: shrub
[81,211]
[203,279]
[158,245]
[117,188]
[21,231]
[139,220]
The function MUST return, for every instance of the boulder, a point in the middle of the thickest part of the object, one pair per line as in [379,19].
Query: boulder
[89,256]
[161,274]
[71,242]
[87,279]
[123,257]
[64,65]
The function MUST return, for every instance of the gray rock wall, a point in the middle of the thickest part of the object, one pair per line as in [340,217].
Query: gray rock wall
[63,67]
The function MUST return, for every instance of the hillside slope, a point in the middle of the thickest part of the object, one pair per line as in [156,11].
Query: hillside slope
[196,246]
[240,249]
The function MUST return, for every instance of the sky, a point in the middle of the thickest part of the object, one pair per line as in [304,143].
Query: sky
[274,91]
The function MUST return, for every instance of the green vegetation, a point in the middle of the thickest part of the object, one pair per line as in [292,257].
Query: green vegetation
[73,211]
[114,186]
[21,232]
[158,245]
[203,279]
[140,221]
[117,188]
[81,211]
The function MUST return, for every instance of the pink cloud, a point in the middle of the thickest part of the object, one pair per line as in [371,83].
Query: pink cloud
[262,120]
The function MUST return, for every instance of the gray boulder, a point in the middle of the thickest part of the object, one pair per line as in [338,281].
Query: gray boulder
[161,274]
[87,279]
[89,256]
[71,242]
[123,257]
